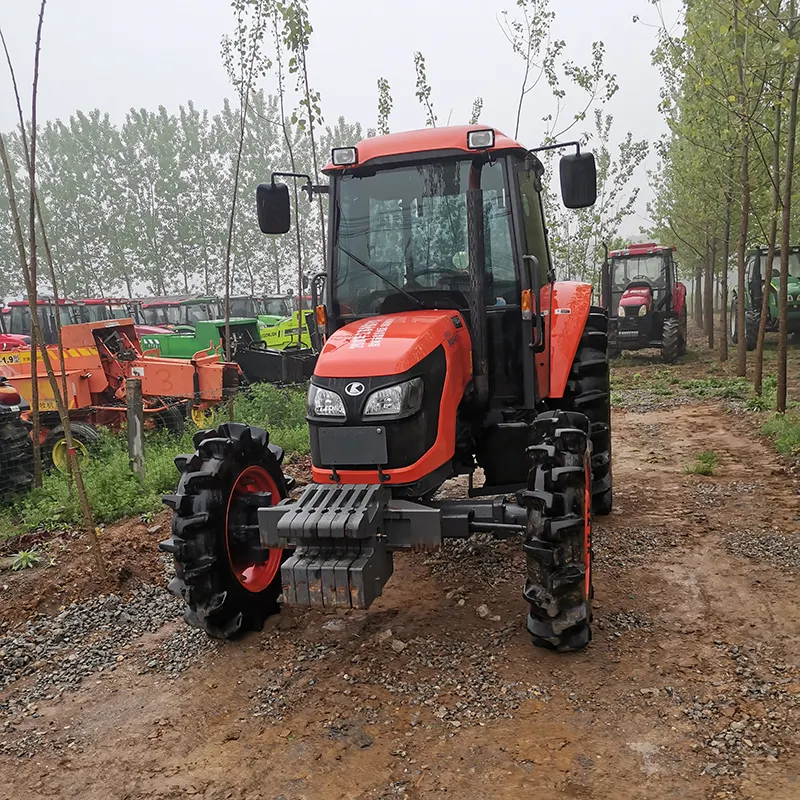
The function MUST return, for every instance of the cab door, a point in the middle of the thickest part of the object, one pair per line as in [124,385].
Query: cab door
[534,270]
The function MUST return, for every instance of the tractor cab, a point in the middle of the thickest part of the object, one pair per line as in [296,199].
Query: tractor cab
[449,349]
[645,300]
[756,270]
[100,309]
[180,311]
[65,311]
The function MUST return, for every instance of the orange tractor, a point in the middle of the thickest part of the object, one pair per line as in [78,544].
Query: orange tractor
[98,358]
[450,348]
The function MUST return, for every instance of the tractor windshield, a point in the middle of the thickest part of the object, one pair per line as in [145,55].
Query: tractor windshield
[243,307]
[410,225]
[277,307]
[794,265]
[20,320]
[163,315]
[648,268]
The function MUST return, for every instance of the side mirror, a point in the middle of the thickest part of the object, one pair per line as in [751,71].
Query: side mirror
[274,211]
[578,180]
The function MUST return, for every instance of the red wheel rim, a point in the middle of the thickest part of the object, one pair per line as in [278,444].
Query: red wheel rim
[587,525]
[253,576]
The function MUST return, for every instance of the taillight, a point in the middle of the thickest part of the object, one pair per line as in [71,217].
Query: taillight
[9,396]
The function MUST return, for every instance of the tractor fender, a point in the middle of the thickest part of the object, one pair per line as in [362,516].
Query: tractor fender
[568,313]
[678,298]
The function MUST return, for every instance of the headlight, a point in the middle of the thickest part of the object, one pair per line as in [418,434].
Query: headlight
[324,403]
[396,402]
[621,311]
[642,311]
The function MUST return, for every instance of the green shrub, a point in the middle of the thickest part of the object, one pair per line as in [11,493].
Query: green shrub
[115,492]
[784,430]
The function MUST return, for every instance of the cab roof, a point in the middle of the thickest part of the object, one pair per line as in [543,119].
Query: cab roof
[42,301]
[644,249]
[452,139]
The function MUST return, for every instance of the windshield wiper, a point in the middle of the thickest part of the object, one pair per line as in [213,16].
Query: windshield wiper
[375,272]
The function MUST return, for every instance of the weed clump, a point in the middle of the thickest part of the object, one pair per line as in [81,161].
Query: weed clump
[705,463]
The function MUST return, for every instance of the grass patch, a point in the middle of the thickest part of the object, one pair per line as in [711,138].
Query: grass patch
[784,430]
[114,492]
[704,464]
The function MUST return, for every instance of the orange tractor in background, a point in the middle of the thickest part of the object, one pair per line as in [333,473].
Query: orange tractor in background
[449,347]
[98,358]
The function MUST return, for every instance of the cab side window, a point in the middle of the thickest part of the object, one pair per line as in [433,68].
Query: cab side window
[532,222]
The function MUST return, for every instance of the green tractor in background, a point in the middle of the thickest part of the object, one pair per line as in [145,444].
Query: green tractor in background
[258,362]
[756,263]
[280,324]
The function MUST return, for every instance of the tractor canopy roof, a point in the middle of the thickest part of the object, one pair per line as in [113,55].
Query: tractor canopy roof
[42,301]
[102,301]
[644,249]
[446,141]
[175,300]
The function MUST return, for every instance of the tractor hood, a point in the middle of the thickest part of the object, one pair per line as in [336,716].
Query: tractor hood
[11,341]
[792,287]
[638,294]
[390,344]
[151,330]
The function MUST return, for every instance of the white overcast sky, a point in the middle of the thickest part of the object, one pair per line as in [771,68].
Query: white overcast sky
[118,54]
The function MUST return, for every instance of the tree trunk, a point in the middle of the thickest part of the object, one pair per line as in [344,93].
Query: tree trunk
[726,253]
[709,294]
[786,216]
[698,295]
[744,174]
[758,364]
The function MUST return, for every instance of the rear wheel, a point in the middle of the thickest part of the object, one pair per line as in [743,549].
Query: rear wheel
[16,454]
[84,436]
[589,392]
[558,545]
[670,340]
[684,333]
[171,420]
[230,585]
[751,322]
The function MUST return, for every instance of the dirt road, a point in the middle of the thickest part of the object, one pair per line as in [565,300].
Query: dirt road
[690,689]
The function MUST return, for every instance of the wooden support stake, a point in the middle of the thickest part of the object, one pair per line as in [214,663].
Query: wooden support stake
[133,395]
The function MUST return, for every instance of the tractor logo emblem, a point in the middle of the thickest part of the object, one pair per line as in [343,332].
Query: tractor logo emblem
[354,389]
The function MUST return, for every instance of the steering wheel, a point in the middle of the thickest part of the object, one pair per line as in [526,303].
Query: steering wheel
[645,278]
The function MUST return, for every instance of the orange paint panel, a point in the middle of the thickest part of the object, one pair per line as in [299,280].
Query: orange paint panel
[402,351]
[570,310]
[386,345]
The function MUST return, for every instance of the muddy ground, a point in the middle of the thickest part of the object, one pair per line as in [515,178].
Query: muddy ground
[690,689]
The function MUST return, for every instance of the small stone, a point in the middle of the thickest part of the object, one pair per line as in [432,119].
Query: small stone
[154,529]
[482,611]
[384,636]
[333,625]
[398,646]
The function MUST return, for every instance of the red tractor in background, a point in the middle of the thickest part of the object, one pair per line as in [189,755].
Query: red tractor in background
[646,302]
[449,347]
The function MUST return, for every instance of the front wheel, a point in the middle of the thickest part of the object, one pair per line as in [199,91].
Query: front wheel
[683,333]
[229,583]
[670,340]
[558,544]
[751,323]
[734,324]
